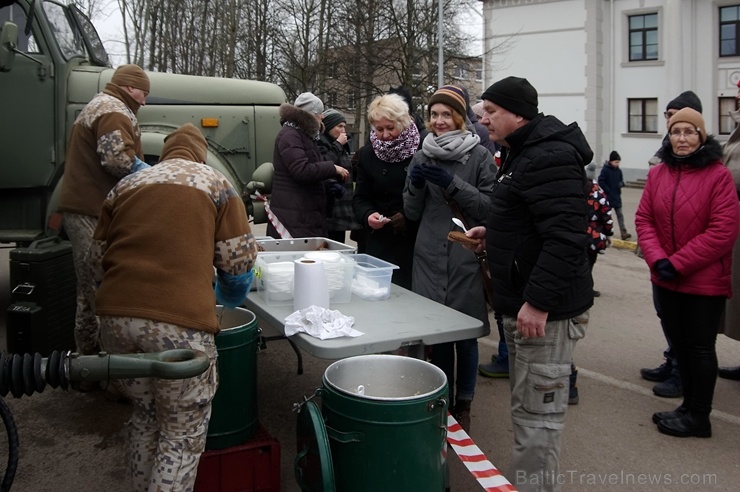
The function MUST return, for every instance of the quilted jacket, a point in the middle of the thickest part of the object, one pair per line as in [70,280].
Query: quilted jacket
[689,214]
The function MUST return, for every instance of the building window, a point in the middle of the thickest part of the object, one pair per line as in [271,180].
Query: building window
[352,99]
[331,99]
[729,27]
[726,123]
[460,73]
[479,74]
[643,115]
[643,37]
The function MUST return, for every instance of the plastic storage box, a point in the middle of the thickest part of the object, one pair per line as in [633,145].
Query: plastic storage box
[250,467]
[372,277]
[269,244]
[274,276]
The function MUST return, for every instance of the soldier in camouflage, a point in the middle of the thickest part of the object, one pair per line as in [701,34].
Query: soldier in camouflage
[104,146]
[160,234]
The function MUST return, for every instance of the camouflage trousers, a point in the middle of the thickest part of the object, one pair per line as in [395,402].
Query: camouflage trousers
[79,230]
[168,427]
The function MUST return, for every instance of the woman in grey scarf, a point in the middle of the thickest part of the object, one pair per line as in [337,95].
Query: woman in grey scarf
[450,167]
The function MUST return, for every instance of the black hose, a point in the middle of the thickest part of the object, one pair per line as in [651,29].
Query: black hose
[13,446]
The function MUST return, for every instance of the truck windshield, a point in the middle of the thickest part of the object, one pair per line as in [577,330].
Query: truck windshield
[65,34]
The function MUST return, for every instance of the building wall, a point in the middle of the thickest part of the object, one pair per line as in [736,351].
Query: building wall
[575,52]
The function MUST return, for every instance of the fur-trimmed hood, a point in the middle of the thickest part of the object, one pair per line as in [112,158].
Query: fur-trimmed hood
[303,120]
[708,153]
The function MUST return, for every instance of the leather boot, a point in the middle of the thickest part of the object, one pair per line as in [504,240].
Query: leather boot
[572,388]
[673,414]
[626,235]
[462,414]
[689,425]
[729,373]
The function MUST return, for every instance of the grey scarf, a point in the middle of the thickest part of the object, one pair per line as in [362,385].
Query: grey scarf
[451,146]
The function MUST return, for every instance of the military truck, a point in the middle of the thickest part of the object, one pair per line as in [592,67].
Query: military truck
[52,63]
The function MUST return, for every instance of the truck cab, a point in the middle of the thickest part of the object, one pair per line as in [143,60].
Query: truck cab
[52,63]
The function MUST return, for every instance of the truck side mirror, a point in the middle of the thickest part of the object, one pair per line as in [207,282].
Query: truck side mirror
[8,43]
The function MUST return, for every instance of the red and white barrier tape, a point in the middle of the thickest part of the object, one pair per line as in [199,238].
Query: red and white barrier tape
[279,227]
[488,476]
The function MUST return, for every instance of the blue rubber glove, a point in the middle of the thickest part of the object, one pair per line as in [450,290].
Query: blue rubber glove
[437,175]
[139,165]
[665,270]
[231,290]
[337,189]
[417,176]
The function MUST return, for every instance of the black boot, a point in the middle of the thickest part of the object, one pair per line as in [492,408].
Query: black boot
[673,414]
[729,373]
[659,374]
[689,425]
[572,388]
[462,414]
[670,388]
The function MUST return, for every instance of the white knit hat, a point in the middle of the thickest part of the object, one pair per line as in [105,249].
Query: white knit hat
[310,103]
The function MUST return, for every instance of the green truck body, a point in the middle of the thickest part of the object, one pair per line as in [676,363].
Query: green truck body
[52,63]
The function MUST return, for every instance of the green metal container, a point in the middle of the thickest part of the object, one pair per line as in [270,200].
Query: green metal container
[386,421]
[234,407]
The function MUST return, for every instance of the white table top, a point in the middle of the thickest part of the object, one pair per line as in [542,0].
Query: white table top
[404,319]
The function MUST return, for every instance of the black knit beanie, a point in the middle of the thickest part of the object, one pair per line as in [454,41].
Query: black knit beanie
[332,118]
[685,100]
[514,94]
[614,156]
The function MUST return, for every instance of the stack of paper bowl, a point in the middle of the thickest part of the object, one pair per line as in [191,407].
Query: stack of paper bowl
[335,266]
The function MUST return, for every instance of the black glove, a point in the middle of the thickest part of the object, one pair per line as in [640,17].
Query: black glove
[417,176]
[437,175]
[337,190]
[665,269]
[398,222]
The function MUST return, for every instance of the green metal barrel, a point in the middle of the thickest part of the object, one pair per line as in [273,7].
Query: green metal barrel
[386,418]
[234,407]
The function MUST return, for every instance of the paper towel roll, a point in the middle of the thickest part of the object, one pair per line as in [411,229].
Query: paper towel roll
[310,287]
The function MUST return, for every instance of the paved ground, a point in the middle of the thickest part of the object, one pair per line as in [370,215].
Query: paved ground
[74,442]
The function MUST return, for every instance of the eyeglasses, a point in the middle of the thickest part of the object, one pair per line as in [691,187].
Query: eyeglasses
[669,113]
[686,134]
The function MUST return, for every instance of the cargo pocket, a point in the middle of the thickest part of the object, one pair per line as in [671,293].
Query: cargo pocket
[577,327]
[547,388]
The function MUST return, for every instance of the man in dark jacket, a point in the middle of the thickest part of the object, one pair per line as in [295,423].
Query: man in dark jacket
[612,182]
[537,244]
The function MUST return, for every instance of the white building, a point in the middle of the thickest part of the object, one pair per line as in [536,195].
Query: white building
[613,65]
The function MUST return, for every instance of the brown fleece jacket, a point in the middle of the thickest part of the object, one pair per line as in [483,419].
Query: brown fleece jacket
[160,233]
[104,140]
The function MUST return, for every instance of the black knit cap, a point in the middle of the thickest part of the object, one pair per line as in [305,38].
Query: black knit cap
[332,118]
[685,100]
[614,156]
[514,94]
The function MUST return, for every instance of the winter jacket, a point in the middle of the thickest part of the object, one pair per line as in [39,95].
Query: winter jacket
[298,198]
[160,234]
[444,271]
[380,189]
[105,139]
[689,214]
[536,230]
[612,182]
[731,158]
[339,216]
